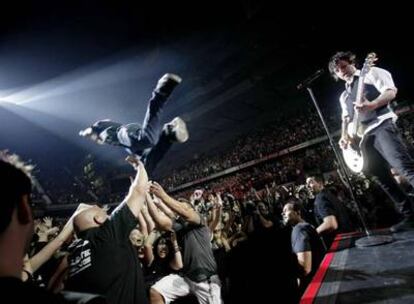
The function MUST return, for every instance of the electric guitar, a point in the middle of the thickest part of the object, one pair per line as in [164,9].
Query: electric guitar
[352,153]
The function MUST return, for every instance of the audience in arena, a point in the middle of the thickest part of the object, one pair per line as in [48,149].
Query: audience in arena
[215,233]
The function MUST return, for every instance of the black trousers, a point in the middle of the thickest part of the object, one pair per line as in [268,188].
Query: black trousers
[385,149]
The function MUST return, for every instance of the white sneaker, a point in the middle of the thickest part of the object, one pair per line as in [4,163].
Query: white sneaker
[167,83]
[177,130]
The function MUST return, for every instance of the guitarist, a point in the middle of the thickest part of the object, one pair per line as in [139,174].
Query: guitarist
[382,143]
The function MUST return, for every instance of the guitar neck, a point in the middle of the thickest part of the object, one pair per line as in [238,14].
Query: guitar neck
[358,100]
[369,61]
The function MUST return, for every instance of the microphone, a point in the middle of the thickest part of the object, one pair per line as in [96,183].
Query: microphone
[310,79]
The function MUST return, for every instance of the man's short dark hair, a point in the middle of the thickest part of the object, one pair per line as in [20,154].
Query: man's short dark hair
[345,56]
[15,182]
[318,178]
[296,205]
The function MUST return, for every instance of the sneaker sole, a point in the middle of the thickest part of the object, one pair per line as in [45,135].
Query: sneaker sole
[180,130]
[174,77]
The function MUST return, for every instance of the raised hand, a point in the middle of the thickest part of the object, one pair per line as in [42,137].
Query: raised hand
[156,189]
[139,187]
[47,221]
[344,142]
[133,161]
[140,182]
[218,202]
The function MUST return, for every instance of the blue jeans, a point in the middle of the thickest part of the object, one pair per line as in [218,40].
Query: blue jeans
[385,148]
[146,141]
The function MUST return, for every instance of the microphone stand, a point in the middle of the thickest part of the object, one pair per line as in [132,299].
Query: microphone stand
[369,239]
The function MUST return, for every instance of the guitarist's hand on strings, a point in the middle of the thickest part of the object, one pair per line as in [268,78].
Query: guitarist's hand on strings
[344,142]
[364,106]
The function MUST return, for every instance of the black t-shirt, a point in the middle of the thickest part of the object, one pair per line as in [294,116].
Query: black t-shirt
[326,204]
[305,238]
[258,225]
[103,261]
[158,269]
[198,258]
[13,290]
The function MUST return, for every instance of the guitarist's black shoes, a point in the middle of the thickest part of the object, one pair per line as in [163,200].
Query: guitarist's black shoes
[405,224]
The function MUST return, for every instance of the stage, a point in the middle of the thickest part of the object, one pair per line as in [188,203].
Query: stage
[377,274]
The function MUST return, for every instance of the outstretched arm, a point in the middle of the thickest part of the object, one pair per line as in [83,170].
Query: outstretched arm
[186,212]
[382,100]
[148,219]
[148,247]
[177,262]
[217,210]
[135,198]
[162,221]
[160,204]
[142,225]
[46,253]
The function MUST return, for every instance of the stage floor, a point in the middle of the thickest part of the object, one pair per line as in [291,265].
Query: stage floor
[377,274]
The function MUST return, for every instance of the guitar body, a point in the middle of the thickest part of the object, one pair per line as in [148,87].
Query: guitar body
[353,158]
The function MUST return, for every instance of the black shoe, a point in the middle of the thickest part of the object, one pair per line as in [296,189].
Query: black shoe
[166,84]
[176,130]
[405,224]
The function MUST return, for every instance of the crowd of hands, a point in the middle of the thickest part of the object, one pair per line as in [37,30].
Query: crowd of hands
[231,216]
